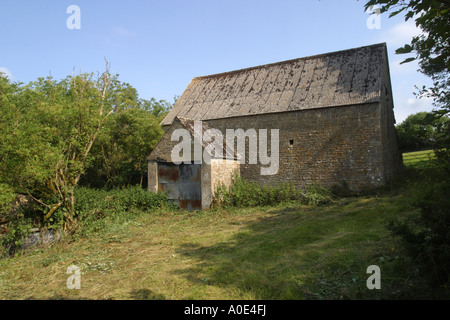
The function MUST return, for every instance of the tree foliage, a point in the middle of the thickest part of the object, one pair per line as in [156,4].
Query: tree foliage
[421,130]
[56,133]
[431,48]
[49,129]
[425,236]
[119,158]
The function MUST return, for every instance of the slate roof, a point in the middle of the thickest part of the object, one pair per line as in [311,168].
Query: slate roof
[339,78]
[207,138]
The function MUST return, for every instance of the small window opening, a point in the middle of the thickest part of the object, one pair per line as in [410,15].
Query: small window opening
[291,142]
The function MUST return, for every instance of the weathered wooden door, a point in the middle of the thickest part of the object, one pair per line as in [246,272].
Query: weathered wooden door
[182,183]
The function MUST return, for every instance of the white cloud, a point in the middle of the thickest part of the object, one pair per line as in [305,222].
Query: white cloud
[121,31]
[6,72]
[420,104]
[412,105]
[404,76]
[117,35]
[411,101]
[401,34]
[395,37]
[403,69]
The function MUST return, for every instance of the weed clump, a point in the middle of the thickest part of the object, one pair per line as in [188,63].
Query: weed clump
[425,233]
[244,193]
[96,210]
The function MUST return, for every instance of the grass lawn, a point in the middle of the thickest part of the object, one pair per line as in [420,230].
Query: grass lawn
[283,252]
[417,159]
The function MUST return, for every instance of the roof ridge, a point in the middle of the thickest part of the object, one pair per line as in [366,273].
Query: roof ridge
[221,74]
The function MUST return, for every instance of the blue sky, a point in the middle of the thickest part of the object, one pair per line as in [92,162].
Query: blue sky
[158,46]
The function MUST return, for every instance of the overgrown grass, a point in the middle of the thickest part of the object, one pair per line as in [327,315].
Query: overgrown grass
[243,193]
[259,243]
[425,232]
[289,251]
[97,210]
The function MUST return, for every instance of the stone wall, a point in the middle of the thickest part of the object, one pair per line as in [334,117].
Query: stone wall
[392,158]
[213,171]
[216,172]
[351,144]
[222,172]
[152,176]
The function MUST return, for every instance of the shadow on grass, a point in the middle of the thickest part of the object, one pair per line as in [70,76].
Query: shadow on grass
[146,294]
[294,253]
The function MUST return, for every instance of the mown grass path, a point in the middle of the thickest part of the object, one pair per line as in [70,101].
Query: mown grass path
[283,252]
[417,159]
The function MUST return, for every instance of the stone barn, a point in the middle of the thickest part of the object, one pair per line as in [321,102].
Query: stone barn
[326,119]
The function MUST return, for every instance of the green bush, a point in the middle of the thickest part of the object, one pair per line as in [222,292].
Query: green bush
[244,193]
[18,215]
[317,195]
[89,200]
[426,234]
[96,208]
[7,196]
[18,228]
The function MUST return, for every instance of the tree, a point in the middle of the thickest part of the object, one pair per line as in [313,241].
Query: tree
[7,193]
[48,130]
[119,156]
[159,109]
[420,130]
[425,233]
[431,48]
[88,129]
[120,153]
